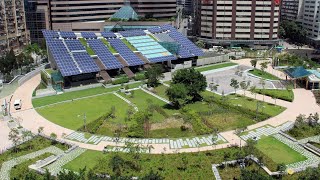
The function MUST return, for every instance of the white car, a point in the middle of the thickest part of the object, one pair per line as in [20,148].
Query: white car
[17,104]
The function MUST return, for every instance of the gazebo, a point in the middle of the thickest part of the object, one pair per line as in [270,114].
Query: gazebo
[298,74]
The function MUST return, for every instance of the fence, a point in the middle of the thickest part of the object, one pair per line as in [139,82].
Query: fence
[31,74]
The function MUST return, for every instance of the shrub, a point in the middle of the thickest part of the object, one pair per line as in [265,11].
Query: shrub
[44,78]
[196,121]
[120,80]
[139,77]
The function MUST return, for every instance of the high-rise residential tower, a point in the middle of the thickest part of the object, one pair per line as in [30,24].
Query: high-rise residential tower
[13,32]
[236,22]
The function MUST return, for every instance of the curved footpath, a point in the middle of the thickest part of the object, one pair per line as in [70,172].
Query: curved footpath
[304,103]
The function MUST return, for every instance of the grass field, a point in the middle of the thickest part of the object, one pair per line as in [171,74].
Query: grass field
[70,114]
[278,152]
[111,49]
[262,74]
[215,66]
[88,48]
[161,91]
[77,94]
[286,95]
[126,42]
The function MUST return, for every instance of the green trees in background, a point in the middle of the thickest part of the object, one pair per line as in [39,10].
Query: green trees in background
[291,30]
[154,74]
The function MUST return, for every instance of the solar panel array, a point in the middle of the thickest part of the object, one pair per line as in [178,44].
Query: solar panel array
[155,30]
[50,34]
[184,53]
[68,35]
[75,45]
[132,33]
[62,57]
[85,62]
[151,49]
[106,57]
[130,57]
[89,35]
[108,35]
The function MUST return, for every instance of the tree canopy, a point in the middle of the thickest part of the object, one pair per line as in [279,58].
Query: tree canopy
[154,74]
[291,30]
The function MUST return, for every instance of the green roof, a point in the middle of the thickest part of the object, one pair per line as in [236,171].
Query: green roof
[297,72]
[125,12]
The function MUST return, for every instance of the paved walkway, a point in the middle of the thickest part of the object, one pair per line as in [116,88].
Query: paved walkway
[304,103]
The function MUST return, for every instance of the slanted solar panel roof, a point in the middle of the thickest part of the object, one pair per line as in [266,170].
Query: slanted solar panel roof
[106,57]
[108,35]
[131,58]
[155,30]
[48,34]
[132,33]
[75,45]
[86,63]
[89,35]
[69,35]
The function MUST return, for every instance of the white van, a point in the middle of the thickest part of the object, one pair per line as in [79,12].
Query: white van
[17,104]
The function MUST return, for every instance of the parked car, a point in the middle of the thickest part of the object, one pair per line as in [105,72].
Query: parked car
[17,104]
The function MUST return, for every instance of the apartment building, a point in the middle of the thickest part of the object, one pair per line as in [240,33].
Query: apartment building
[291,9]
[188,6]
[237,22]
[13,33]
[311,20]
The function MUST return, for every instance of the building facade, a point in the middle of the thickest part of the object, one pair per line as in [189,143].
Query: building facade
[13,31]
[310,20]
[291,9]
[237,22]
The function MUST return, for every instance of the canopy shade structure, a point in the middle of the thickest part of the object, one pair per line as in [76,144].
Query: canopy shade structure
[297,72]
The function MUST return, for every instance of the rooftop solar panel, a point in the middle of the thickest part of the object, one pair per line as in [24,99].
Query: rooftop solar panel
[68,35]
[50,34]
[155,30]
[108,35]
[131,58]
[75,45]
[132,33]
[89,35]
[106,57]
[86,63]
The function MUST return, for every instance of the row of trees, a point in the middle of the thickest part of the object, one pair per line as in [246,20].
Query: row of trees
[293,31]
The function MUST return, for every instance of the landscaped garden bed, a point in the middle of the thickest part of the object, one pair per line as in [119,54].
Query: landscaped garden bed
[215,66]
[264,75]
[305,127]
[286,95]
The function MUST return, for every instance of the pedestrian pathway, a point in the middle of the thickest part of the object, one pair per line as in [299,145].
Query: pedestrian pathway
[178,143]
[312,159]
[56,167]
[8,165]
[127,101]
[313,139]
[156,96]
[266,131]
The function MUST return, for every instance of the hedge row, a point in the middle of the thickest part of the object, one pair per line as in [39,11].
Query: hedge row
[121,80]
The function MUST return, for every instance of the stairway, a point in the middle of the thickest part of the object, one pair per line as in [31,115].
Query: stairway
[122,61]
[105,76]
[128,72]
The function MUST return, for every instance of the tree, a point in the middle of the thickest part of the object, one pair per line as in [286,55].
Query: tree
[235,84]
[8,63]
[193,80]
[250,148]
[200,44]
[26,135]
[264,66]
[253,91]
[244,86]
[254,63]
[213,87]
[53,137]
[253,175]
[152,176]
[178,95]
[310,174]
[293,31]
[262,83]
[281,167]
[116,163]
[15,137]
[154,74]
[40,130]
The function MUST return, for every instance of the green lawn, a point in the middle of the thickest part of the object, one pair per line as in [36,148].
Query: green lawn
[278,152]
[67,114]
[264,75]
[161,91]
[215,66]
[173,166]
[141,98]
[286,95]
[71,95]
[126,42]
[111,49]
[88,48]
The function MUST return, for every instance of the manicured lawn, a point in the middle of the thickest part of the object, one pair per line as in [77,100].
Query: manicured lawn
[215,66]
[173,166]
[71,95]
[126,42]
[141,98]
[111,49]
[161,91]
[278,152]
[286,95]
[70,114]
[264,75]
[88,48]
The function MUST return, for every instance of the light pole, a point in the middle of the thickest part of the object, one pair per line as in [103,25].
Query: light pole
[84,121]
